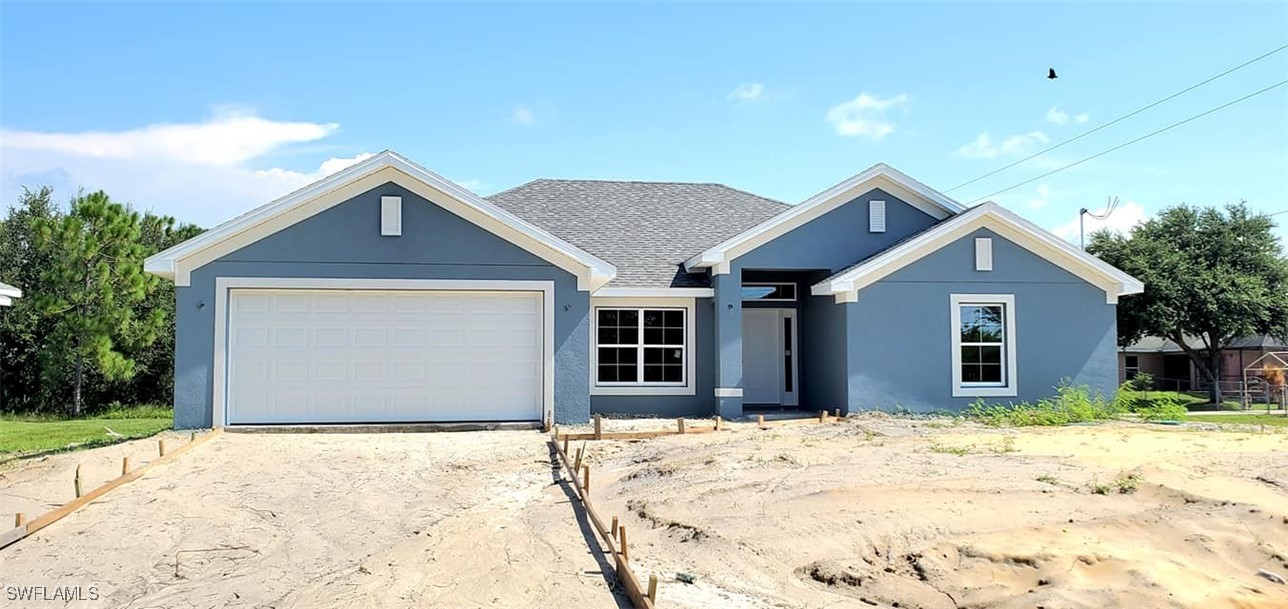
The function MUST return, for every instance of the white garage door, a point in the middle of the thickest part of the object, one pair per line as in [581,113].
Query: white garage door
[353,356]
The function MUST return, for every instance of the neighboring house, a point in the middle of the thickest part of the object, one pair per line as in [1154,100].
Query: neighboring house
[7,294]
[1173,371]
[385,293]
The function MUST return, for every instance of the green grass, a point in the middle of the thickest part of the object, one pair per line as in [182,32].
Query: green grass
[21,434]
[1240,419]
[1189,399]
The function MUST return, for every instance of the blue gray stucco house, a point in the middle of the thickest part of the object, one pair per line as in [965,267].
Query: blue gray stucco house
[385,293]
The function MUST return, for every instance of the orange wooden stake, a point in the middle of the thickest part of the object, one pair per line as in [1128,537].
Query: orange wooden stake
[20,519]
[125,465]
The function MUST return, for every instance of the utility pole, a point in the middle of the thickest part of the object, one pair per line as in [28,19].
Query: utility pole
[1082,213]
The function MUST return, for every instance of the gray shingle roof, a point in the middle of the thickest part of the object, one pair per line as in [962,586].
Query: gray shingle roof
[1158,344]
[646,229]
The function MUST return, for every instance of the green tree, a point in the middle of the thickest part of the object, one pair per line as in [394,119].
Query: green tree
[23,327]
[92,289]
[1213,274]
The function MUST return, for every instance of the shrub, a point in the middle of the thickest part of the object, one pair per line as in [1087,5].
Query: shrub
[1071,404]
[1143,381]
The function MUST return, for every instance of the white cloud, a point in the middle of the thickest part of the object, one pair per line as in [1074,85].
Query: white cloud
[865,115]
[202,172]
[1057,116]
[1041,198]
[1125,217]
[748,92]
[523,115]
[985,148]
[1082,118]
[225,140]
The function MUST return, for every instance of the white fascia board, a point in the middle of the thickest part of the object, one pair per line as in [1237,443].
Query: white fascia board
[178,262]
[624,292]
[1005,223]
[882,176]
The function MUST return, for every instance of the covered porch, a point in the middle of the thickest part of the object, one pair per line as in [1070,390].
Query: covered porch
[779,349]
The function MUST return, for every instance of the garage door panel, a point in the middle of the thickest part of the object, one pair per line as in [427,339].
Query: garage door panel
[312,356]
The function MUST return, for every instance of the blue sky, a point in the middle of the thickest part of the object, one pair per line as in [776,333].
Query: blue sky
[203,111]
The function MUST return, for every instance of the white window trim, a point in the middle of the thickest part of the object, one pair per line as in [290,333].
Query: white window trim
[690,345]
[771,284]
[224,284]
[966,390]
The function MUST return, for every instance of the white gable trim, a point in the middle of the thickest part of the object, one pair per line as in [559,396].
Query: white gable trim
[880,176]
[178,262]
[845,286]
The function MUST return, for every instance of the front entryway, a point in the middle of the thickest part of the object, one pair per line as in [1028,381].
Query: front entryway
[769,374]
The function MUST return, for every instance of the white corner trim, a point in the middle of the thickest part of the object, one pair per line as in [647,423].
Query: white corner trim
[1006,224]
[690,346]
[612,292]
[10,291]
[728,392]
[6,301]
[224,284]
[882,176]
[177,262]
[1011,389]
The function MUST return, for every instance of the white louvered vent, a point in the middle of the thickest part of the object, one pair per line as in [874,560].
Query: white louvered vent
[983,254]
[876,216]
[391,216]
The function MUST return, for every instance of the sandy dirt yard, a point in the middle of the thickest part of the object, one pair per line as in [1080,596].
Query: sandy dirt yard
[872,511]
[881,512]
[323,520]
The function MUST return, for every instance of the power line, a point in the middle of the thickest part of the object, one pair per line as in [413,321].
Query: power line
[1117,120]
[1143,137]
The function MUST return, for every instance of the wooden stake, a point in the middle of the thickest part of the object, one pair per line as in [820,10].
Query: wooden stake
[77,482]
[621,537]
[20,519]
[585,480]
[161,447]
[599,431]
[612,533]
[125,465]
[837,413]
[565,445]
[718,422]
[680,424]
[652,588]
[576,466]
[822,416]
[760,420]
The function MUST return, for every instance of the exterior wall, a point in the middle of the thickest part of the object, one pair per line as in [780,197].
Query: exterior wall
[345,242]
[1150,363]
[700,404]
[899,350]
[824,354]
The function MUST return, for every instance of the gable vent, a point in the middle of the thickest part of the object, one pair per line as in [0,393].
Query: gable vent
[391,216]
[983,254]
[876,216]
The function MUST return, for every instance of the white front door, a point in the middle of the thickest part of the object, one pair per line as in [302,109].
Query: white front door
[769,356]
[368,356]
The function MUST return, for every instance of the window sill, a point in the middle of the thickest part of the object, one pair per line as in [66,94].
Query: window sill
[984,392]
[641,390]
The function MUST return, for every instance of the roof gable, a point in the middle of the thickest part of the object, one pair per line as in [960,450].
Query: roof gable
[879,176]
[178,262]
[846,284]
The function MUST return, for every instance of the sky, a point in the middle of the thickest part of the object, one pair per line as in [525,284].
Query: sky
[203,111]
